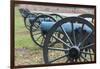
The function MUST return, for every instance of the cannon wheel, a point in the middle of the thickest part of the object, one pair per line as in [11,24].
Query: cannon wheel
[74,51]
[27,20]
[35,31]
[56,16]
[87,16]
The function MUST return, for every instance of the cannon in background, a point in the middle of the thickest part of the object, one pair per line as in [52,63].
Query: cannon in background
[28,17]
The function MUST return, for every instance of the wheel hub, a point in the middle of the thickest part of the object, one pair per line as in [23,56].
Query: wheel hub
[74,52]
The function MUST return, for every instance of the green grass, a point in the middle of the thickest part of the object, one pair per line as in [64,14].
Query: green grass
[22,35]
[26,51]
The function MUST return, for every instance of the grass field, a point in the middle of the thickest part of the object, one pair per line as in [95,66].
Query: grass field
[26,51]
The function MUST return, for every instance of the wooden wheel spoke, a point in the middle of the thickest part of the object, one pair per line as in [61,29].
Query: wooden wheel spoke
[73,34]
[61,41]
[57,49]
[90,55]
[80,59]
[42,41]
[67,60]
[87,46]
[87,53]
[37,33]
[84,58]
[57,58]
[65,33]
[85,39]
[38,37]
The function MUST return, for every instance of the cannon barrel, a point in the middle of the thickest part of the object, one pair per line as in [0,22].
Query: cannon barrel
[46,26]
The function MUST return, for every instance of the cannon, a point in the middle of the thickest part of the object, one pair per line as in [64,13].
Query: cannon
[30,18]
[71,37]
[74,39]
